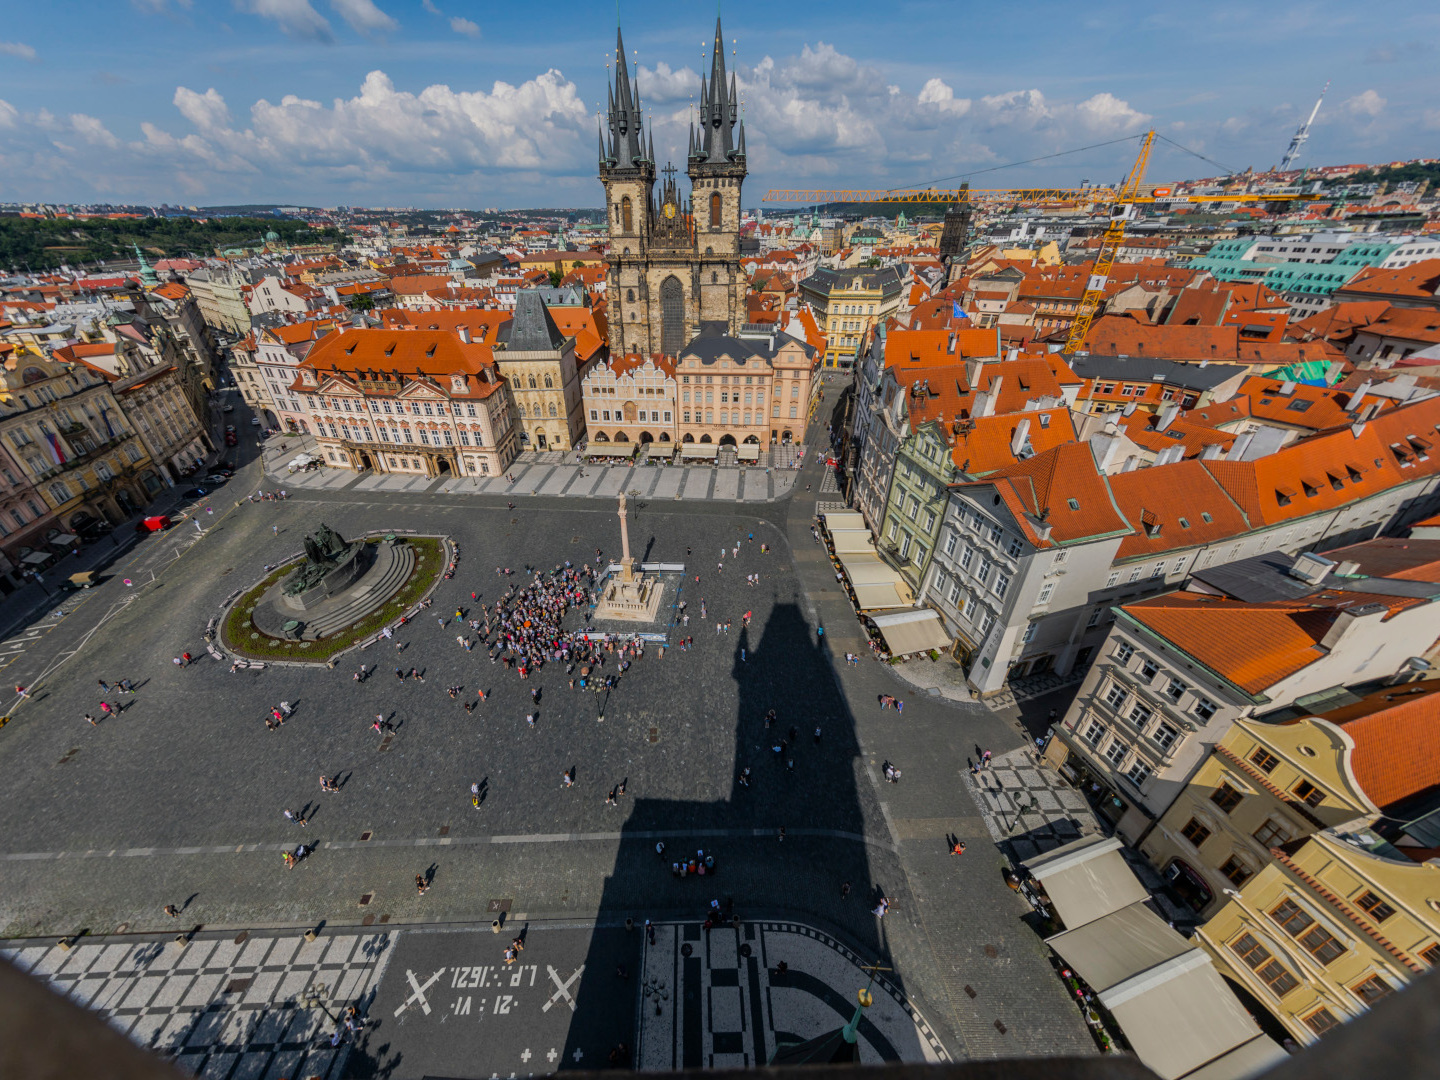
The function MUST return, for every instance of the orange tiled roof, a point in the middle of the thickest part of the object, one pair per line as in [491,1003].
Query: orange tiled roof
[916,349]
[624,365]
[1141,428]
[171,290]
[1173,507]
[1418,281]
[419,284]
[1319,407]
[587,326]
[983,443]
[1411,324]
[1254,646]
[1064,485]
[403,355]
[1339,321]
[483,324]
[1397,740]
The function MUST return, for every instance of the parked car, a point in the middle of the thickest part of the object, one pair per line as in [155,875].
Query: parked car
[228,408]
[217,478]
[229,427]
[254,421]
[231,439]
[225,467]
[155,523]
[195,493]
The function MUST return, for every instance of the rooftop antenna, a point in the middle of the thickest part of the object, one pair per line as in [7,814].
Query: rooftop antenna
[1302,133]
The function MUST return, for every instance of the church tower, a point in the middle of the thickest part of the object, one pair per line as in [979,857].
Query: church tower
[717,170]
[627,169]
[674,263]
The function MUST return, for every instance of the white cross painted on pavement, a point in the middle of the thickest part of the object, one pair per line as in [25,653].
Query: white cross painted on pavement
[578,1054]
[552,1055]
[563,989]
[526,1055]
[418,991]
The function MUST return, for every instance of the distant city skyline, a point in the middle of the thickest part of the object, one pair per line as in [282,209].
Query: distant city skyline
[440,103]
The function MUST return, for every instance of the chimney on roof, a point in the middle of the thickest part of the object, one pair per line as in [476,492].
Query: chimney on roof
[950,347]
[1167,415]
[990,398]
[1211,452]
[1352,624]
[1021,438]
[1358,397]
[1310,568]
[1239,446]
[464,332]
[1287,388]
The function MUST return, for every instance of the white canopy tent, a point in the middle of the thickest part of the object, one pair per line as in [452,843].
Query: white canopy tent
[912,631]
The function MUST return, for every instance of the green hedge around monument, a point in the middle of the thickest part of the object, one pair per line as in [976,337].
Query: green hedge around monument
[241,636]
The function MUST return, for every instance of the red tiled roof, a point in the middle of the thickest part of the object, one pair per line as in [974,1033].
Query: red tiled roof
[1254,646]
[483,324]
[1417,281]
[1322,408]
[1065,485]
[1141,427]
[1397,740]
[1172,507]
[983,443]
[436,354]
[908,350]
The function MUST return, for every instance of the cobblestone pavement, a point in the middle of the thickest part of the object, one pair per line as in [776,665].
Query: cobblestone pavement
[222,1007]
[748,484]
[1029,809]
[181,794]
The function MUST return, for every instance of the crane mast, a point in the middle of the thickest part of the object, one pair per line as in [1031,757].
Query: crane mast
[1301,134]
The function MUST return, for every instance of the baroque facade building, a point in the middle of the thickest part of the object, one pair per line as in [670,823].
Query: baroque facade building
[674,263]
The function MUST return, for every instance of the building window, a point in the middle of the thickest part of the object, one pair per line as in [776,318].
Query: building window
[1123,652]
[954,593]
[1308,793]
[1115,697]
[1014,548]
[1164,736]
[1321,1021]
[1204,707]
[1263,760]
[594,414]
[1112,579]
[1175,690]
[1140,715]
[1373,906]
[1372,990]
[1002,582]
[1116,752]
[1235,871]
[1274,833]
[1258,959]
[1148,669]
[950,544]
[1226,797]
[1095,732]
[1046,591]
[1139,773]
[1316,940]
[967,555]
[1195,832]
[1431,955]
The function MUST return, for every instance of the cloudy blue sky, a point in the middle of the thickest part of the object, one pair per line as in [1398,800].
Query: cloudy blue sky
[459,103]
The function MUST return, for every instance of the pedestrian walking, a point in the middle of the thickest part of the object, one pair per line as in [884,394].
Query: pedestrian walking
[275,529]
[421,885]
[957,848]
[285,708]
[845,891]
[91,719]
[291,815]
[104,686]
[782,834]
[172,911]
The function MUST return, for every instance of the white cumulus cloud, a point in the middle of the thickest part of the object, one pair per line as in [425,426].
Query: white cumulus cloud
[364,17]
[93,131]
[1106,112]
[937,93]
[465,26]
[1368,103]
[295,18]
[17,49]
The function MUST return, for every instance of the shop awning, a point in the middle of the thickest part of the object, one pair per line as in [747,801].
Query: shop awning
[878,597]
[38,557]
[1176,1012]
[844,519]
[1174,1008]
[698,450]
[615,450]
[64,539]
[300,459]
[748,452]
[912,631]
[1086,880]
[847,541]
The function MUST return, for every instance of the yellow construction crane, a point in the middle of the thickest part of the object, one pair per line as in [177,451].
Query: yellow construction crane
[1122,202]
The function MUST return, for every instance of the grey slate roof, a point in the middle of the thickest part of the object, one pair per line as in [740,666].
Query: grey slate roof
[1153,369]
[709,347]
[825,279]
[532,329]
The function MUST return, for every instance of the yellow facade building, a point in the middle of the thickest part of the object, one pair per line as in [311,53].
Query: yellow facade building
[848,304]
[1315,842]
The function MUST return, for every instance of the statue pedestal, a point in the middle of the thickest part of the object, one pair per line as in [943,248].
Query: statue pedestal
[630,597]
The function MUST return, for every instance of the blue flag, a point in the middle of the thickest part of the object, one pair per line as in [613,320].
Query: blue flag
[955,306]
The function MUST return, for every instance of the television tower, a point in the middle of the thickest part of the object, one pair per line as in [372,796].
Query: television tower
[1301,134]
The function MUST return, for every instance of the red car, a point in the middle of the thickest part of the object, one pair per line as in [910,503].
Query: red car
[230,439]
[157,523]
